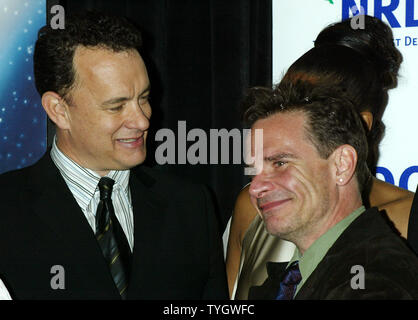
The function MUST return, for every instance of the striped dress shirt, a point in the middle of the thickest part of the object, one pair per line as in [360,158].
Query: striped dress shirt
[83,184]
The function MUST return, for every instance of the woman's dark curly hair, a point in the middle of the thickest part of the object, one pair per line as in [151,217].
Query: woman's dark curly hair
[54,48]
[364,63]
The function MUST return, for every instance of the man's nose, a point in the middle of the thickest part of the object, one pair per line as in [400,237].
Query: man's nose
[138,118]
[260,185]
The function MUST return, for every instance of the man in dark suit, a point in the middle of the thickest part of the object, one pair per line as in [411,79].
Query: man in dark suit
[308,191]
[86,222]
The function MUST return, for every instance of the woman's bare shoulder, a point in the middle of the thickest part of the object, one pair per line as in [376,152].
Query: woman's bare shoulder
[244,213]
[242,216]
[384,193]
[396,202]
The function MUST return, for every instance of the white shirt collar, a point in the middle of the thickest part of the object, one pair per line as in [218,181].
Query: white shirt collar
[82,181]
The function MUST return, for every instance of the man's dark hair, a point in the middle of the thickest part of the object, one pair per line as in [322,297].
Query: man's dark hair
[331,119]
[54,49]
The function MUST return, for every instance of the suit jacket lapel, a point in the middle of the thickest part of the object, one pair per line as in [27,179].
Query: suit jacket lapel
[53,202]
[148,209]
[56,206]
[327,268]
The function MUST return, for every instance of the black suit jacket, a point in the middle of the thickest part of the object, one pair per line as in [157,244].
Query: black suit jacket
[390,267]
[177,249]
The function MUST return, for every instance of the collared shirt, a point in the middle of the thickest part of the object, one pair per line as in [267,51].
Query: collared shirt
[83,184]
[316,252]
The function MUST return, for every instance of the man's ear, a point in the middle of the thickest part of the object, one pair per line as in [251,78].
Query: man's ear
[367,118]
[56,108]
[345,159]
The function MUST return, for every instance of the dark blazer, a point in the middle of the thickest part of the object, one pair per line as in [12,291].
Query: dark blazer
[177,249]
[390,267]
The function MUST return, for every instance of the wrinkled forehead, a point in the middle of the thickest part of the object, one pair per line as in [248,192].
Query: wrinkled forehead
[286,124]
[279,130]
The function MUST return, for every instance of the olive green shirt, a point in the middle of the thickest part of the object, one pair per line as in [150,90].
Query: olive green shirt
[316,252]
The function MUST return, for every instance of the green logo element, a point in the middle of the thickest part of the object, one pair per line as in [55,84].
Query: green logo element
[330,1]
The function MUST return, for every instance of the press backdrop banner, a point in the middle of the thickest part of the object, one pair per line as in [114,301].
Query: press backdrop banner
[22,118]
[296,24]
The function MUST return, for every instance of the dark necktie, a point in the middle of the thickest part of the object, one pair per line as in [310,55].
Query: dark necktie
[111,237]
[290,280]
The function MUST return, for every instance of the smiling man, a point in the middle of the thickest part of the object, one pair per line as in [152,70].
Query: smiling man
[308,191]
[103,123]
[88,221]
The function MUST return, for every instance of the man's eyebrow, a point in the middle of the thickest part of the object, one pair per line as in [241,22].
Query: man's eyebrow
[115,100]
[280,156]
[124,99]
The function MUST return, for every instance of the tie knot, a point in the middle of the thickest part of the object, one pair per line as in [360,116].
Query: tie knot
[105,188]
[293,276]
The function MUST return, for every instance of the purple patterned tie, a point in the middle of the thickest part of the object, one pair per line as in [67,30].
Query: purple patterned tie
[290,280]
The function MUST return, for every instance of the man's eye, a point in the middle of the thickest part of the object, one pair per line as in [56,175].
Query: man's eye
[118,108]
[279,163]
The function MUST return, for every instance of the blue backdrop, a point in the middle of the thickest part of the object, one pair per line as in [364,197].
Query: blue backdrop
[22,118]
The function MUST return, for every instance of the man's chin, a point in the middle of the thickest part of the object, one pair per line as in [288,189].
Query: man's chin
[274,225]
[134,163]
[132,160]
